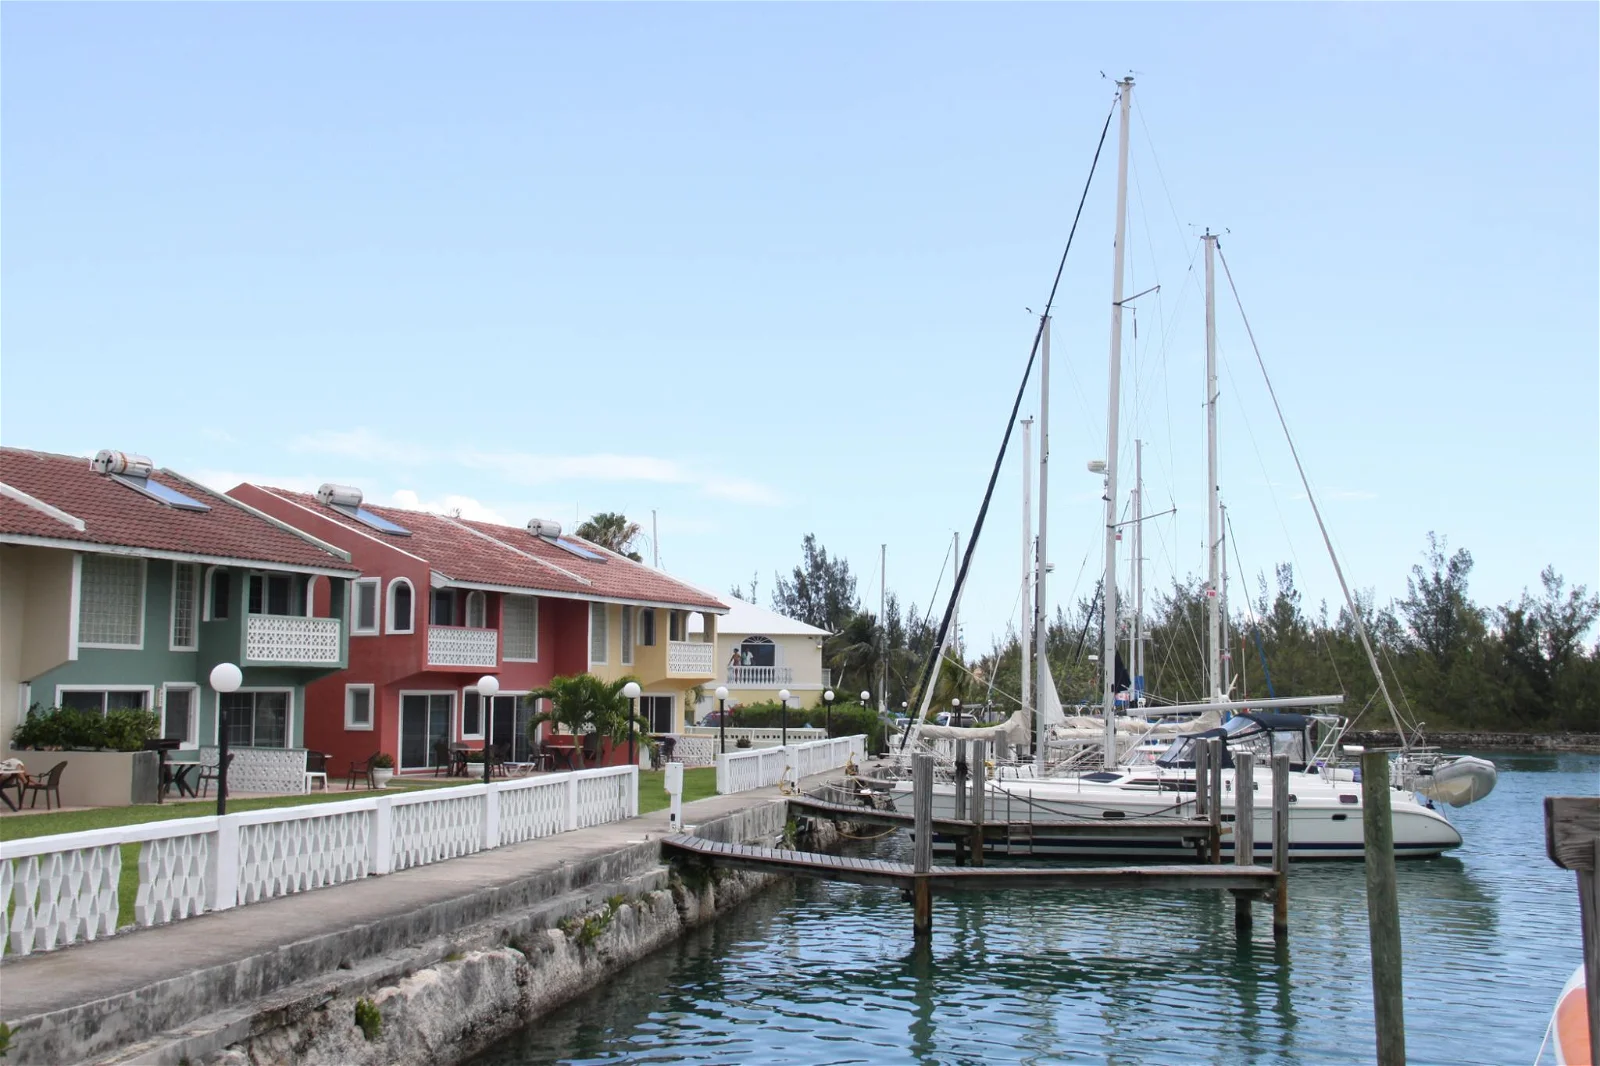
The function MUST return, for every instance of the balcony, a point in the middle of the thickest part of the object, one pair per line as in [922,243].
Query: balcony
[690,658]
[760,676]
[463,648]
[292,640]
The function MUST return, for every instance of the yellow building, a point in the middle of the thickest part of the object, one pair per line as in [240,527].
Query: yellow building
[760,652]
[671,650]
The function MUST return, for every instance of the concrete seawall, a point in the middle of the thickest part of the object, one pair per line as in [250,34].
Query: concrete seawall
[1579,742]
[452,956]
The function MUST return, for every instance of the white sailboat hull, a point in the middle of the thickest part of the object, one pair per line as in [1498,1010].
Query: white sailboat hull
[1324,816]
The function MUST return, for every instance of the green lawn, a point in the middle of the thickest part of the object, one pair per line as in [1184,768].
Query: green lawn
[697,784]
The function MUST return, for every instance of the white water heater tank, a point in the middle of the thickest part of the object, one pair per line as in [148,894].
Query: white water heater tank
[331,495]
[107,461]
[548,528]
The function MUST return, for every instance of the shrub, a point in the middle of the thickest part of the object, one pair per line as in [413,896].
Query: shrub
[369,1018]
[68,729]
[384,761]
[742,742]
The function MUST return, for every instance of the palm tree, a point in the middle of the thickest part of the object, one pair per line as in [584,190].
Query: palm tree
[581,704]
[612,531]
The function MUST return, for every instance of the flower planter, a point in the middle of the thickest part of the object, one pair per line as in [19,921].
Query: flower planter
[381,775]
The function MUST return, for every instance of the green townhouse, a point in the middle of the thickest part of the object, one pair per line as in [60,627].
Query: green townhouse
[122,586]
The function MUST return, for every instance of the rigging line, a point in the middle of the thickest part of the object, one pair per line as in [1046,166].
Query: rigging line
[923,689]
[1361,628]
[1250,611]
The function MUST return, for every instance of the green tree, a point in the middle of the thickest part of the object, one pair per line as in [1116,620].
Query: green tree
[582,703]
[820,592]
[612,531]
[1437,610]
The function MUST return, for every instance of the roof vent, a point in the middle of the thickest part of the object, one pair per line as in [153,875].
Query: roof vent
[106,461]
[331,495]
[547,528]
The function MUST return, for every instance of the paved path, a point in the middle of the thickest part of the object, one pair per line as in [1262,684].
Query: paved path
[84,973]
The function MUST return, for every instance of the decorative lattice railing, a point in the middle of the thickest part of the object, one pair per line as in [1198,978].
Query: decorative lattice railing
[60,890]
[741,771]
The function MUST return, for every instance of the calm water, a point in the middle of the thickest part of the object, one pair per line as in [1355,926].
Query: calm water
[821,973]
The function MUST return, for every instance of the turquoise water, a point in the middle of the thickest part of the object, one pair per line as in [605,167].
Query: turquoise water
[820,973]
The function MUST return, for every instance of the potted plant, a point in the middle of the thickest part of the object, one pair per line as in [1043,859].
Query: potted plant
[382,769]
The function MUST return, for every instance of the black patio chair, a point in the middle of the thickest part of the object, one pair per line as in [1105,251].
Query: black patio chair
[362,768]
[209,774]
[49,784]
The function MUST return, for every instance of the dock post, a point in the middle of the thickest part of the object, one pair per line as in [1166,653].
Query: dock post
[1383,909]
[961,798]
[1244,831]
[977,803]
[1202,781]
[1214,792]
[922,855]
[1572,840]
[1280,845]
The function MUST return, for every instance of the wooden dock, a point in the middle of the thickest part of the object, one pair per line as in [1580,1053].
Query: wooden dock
[966,878]
[1191,831]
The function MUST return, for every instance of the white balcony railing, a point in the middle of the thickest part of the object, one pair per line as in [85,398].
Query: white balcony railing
[690,658]
[760,676]
[281,638]
[463,646]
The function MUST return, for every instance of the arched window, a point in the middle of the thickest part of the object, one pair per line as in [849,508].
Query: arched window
[400,606]
[476,610]
[758,651]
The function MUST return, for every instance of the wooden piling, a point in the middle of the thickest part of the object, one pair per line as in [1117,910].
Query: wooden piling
[1572,840]
[978,801]
[1244,832]
[961,799]
[1202,785]
[1214,792]
[1383,909]
[922,855]
[1280,845]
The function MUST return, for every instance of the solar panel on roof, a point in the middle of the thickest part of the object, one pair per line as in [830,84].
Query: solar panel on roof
[578,550]
[157,491]
[368,518]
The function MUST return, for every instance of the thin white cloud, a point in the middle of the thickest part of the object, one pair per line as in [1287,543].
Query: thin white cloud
[1340,495]
[223,480]
[453,505]
[217,435]
[529,468]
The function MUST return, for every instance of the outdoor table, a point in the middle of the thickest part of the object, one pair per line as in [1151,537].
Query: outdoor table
[179,774]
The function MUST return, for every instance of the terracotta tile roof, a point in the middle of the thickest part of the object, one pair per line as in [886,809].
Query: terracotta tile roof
[115,515]
[491,554]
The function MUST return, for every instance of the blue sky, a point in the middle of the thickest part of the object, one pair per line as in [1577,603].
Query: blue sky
[765,269]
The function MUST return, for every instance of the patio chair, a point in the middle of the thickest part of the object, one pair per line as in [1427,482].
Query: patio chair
[49,784]
[210,773]
[441,759]
[316,766]
[362,768]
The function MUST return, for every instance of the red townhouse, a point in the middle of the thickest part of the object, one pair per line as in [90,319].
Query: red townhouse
[441,601]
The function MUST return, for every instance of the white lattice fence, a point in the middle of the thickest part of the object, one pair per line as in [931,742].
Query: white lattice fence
[63,889]
[695,751]
[759,768]
[280,770]
[284,852]
[275,638]
[536,809]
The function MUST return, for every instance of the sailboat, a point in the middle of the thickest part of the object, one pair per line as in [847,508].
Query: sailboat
[1325,820]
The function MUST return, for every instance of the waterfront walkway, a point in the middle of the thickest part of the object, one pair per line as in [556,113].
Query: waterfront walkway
[200,958]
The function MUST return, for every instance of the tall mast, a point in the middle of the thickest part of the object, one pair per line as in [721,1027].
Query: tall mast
[1213,535]
[955,611]
[1108,617]
[883,631]
[1136,637]
[1026,643]
[1222,600]
[1041,629]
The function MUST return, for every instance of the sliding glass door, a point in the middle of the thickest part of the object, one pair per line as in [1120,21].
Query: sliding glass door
[424,725]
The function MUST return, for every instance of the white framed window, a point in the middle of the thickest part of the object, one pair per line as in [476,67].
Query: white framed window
[597,633]
[400,606]
[364,606]
[185,607]
[258,718]
[471,714]
[100,699]
[647,627]
[218,593]
[627,635]
[519,628]
[111,602]
[477,610]
[359,701]
[180,713]
[273,594]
